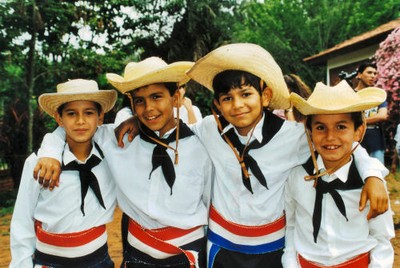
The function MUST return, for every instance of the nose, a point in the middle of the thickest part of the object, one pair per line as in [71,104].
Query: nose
[237,102]
[148,105]
[80,119]
[330,134]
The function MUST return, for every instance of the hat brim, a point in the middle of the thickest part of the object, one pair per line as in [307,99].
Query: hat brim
[174,72]
[368,98]
[50,102]
[243,57]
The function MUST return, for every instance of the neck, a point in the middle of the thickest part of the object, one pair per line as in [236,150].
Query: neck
[360,86]
[80,150]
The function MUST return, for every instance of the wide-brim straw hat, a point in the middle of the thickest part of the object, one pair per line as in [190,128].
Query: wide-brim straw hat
[77,90]
[152,70]
[244,57]
[338,99]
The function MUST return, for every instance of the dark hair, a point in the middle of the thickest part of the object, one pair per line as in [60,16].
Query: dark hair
[356,117]
[62,106]
[364,66]
[229,79]
[171,87]
[296,85]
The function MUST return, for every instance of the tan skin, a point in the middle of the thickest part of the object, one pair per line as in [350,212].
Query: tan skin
[373,190]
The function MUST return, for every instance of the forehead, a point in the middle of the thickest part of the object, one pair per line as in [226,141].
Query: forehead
[80,104]
[150,89]
[330,118]
[369,69]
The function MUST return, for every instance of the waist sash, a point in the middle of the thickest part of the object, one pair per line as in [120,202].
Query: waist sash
[246,239]
[360,261]
[165,242]
[70,245]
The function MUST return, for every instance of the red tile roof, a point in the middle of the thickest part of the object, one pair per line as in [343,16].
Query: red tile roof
[374,36]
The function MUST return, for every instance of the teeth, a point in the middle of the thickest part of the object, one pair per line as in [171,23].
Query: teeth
[331,147]
[151,117]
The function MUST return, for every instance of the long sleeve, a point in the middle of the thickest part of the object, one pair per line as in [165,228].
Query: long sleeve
[381,228]
[53,144]
[22,231]
[368,166]
[289,256]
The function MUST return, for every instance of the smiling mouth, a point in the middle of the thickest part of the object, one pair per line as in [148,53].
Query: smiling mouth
[331,147]
[150,118]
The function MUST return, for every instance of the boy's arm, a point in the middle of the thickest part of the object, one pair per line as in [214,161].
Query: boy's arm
[289,256]
[129,126]
[47,170]
[22,231]
[381,228]
[373,173]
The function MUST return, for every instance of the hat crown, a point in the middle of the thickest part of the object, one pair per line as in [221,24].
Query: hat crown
[77,86]
[340,98]
[134,70]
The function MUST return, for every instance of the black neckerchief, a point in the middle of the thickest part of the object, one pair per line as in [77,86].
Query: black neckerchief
[87,177]
[271,125]
[354,181]
[160,156]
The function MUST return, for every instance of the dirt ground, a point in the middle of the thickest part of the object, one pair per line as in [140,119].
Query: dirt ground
[114,237]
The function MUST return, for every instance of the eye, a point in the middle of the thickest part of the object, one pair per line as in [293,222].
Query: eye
[137,101]
[225,98]
[69,113]
[156,96]
[247,94]
[90,112]
[319,127]
[341,127]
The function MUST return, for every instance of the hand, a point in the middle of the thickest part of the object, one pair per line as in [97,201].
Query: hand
[187,103]
[47,172]
[374,191]
[129,126]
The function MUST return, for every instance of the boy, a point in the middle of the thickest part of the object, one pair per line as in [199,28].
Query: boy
[324,225]
[252,151]
[65,228]
[164,193]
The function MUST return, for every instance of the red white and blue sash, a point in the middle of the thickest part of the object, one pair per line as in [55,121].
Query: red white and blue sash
[164,242]
[241,238]
[70,245]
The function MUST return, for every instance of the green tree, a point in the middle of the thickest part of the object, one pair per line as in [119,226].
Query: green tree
[293,30]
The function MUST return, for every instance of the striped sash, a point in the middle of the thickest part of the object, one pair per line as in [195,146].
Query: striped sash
[360,261]
[164,242]
[245,239]
[70,245]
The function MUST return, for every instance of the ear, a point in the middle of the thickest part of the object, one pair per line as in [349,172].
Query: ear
[266,96]
[58,119]
[176,99]
[216,103]
[359,133]
[101,118]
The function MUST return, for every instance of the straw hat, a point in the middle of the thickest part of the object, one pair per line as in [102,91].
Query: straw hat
[77,90]
[245,57]
[338,99]
[149,71]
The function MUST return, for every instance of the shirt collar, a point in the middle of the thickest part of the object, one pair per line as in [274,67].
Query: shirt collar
[68,156]
[166,134]
[257,133]
[341,173]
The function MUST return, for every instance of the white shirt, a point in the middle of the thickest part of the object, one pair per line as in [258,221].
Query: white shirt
[338,240]
[58,210]
[126,113]
[287,149]
[149,201]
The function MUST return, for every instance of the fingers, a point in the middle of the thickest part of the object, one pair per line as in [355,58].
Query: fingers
[47,172]
[363,200]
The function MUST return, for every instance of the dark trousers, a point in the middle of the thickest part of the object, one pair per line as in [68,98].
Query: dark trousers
[230,259]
